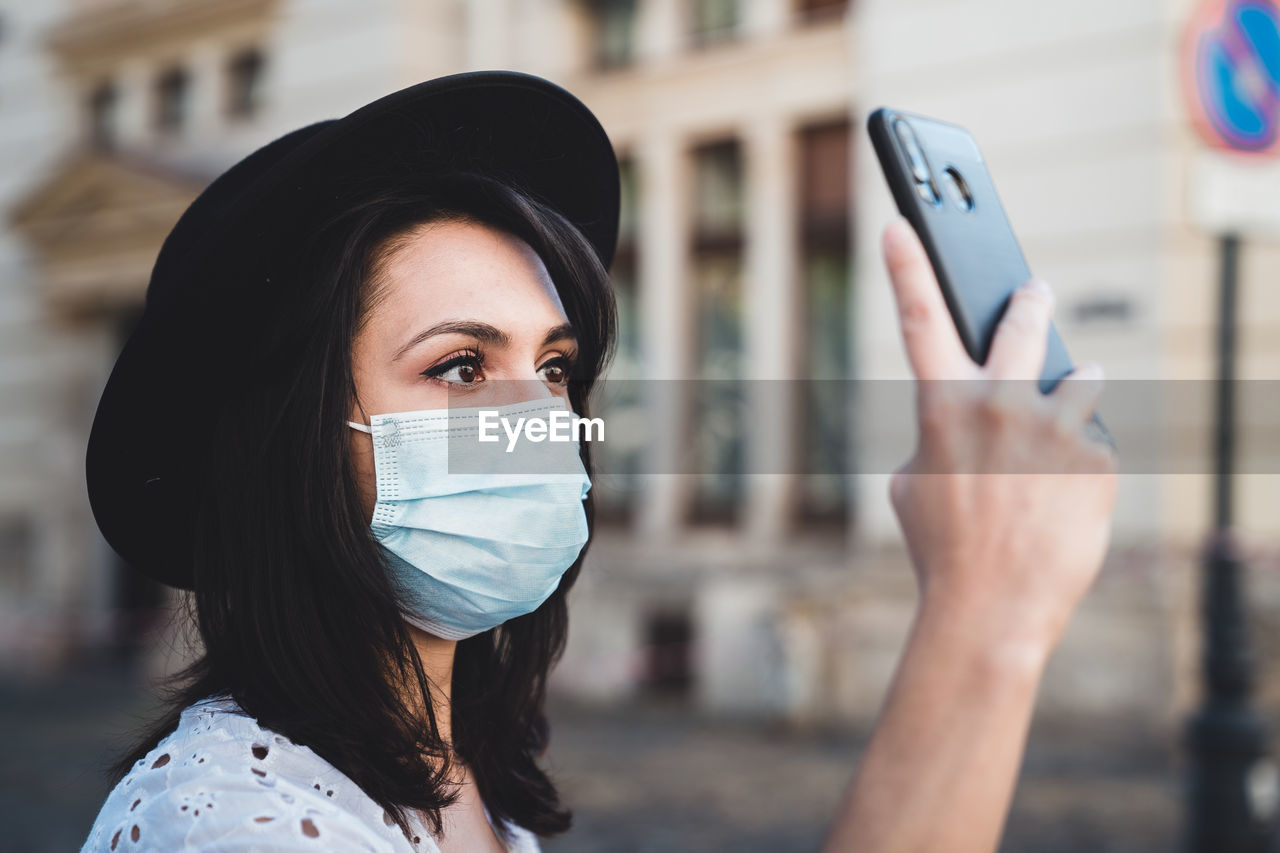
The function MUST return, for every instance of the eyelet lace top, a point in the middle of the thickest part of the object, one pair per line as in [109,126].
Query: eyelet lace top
[221,781]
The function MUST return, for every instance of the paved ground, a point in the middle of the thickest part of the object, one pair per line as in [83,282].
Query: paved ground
[653,779]
[58,737]
[648,778]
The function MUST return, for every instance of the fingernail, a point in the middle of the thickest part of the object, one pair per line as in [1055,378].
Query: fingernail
[1089,370]
[1039,285]
[894,233]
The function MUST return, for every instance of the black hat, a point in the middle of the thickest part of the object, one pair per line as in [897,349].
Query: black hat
[156,411]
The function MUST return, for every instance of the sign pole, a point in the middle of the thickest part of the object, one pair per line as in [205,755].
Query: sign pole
[1226,737]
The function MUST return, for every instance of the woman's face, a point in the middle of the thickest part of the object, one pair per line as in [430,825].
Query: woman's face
[461,314]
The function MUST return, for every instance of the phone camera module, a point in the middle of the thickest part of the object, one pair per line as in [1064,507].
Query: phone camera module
[915,156]
[925,187]
[958,189]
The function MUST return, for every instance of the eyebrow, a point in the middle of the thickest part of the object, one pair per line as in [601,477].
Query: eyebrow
[559,333]
[482,332]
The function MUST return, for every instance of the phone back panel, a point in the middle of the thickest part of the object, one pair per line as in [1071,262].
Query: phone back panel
[974,252]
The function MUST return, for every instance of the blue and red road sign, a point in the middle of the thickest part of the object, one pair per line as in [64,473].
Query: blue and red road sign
[1233,64]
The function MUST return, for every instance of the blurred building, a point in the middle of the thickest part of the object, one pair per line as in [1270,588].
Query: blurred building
[749,250]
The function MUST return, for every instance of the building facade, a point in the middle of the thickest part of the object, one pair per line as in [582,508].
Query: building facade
[748,254]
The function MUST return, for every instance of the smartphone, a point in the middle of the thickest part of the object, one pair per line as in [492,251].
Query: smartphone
[941,185]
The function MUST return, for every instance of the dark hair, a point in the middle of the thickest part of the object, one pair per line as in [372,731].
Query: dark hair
[299,620]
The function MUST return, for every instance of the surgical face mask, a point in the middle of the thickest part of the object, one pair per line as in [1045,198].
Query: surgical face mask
[475,532]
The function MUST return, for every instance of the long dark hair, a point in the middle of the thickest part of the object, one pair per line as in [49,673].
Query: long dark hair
[299,619]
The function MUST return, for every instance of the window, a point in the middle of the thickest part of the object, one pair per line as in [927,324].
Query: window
[629,203]
[820,10]
[17,554]
[244,83]
[714,21]
[103,109]
[825,270]
[173,90]
[620,400]
[717,271]
[668,658]
[719,206]
[613,29]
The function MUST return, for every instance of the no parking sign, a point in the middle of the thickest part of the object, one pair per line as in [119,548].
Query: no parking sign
[1233,64]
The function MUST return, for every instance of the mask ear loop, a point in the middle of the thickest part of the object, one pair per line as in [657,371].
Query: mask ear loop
[360,427]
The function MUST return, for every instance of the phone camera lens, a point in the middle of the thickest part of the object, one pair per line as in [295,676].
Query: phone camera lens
[928,192]
[958,189]
[919,169]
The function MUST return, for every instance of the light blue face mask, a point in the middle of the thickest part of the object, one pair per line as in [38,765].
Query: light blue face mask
[476,532]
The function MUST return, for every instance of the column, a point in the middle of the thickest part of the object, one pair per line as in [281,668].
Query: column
[762,18]
[486,34]
[136,87]
[665,333]
[659,29]
[772,325]
[207,65]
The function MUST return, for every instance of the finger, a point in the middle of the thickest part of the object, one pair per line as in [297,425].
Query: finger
[1077,395]
[1021,339]
[933,345]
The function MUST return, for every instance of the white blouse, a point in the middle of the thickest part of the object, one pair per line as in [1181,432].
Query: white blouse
[222,782]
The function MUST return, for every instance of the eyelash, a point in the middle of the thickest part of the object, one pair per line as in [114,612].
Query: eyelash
[475,359]
[564,362]
[462,358]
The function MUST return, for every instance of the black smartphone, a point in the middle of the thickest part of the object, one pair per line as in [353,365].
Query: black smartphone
[942,187]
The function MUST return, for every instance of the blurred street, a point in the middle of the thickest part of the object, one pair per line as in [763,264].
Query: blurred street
[654,779]
[650,777]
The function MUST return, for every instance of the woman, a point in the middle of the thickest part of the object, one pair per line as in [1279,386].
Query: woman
[378,619]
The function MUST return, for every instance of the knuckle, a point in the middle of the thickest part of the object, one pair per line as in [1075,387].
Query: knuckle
[992,412]
[1000,407]
[937,410]
[1022,321]
[914,314]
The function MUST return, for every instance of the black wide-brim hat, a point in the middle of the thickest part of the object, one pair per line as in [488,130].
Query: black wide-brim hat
[212,293]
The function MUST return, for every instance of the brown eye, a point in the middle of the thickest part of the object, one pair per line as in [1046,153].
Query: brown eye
[463,369]
[556,371]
